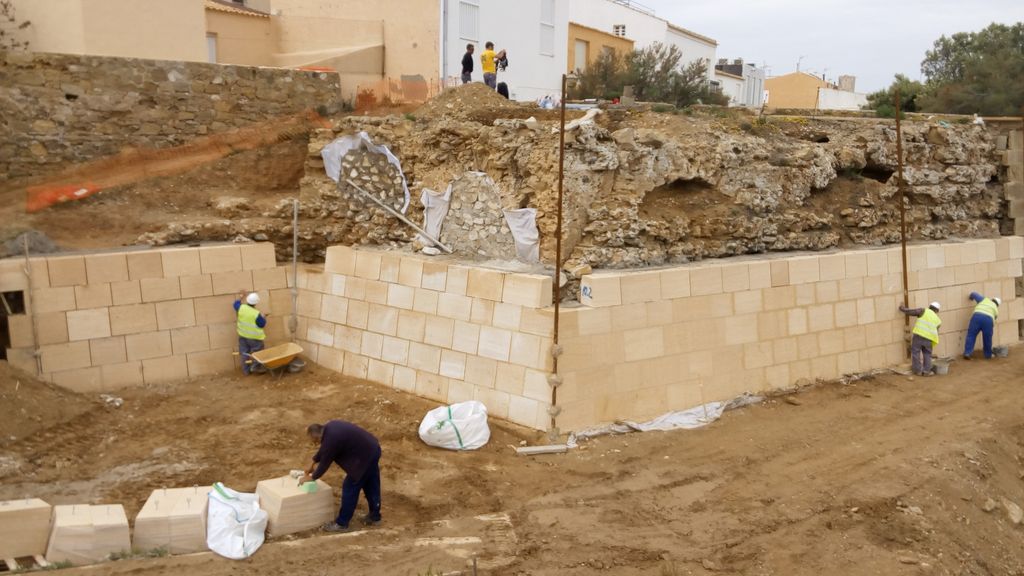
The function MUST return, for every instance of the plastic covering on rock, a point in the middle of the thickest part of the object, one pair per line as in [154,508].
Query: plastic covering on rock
[461,426]
[523,224]
[235,524]
[681,419]
[435,208]
[336,150]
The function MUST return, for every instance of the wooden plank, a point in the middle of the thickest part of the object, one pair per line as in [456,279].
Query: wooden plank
[547,449]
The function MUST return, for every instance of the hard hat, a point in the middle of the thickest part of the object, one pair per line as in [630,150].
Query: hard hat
[998,301]
[252,299]
[935,305]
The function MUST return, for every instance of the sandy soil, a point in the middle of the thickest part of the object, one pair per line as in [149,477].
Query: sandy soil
[881,476]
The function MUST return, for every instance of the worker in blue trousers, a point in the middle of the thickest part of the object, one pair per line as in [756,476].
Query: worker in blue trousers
[926,335]
[358,453]
[983,320]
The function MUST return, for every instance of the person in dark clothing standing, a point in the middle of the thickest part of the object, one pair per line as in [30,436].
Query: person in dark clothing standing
[467,64]
[358,453]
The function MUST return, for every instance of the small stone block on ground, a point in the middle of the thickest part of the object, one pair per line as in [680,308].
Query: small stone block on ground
[24,527]
[83,534]
[291,509]
[173,519]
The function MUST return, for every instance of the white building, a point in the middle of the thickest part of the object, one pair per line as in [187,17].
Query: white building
[632,20]
[742,82]
[532,32]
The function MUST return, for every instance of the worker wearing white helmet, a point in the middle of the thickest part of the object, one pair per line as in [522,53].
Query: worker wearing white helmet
[983,320]
[250,324]
[926,335]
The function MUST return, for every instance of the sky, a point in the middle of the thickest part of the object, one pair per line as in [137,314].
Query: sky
[835,37]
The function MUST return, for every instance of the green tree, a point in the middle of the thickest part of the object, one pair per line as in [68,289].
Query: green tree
[977,72]
[882,102]
[656,74]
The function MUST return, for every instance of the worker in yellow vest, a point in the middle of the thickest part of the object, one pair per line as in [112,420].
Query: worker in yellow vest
[926,335]
[250,325]
[983,320]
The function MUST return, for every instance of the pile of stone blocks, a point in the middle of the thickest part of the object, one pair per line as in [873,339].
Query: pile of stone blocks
[291,508]
[173,519]
[84,534]
[647,342]
[24,528]
[116,319]
[436,327]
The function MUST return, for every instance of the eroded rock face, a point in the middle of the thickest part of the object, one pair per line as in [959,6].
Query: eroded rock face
[645,188]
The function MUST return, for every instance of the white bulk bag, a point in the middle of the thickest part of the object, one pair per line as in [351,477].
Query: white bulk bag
[235,524]
[461,426]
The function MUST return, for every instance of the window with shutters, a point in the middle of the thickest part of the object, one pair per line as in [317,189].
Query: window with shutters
[469,21]
[547,27]
[619,29]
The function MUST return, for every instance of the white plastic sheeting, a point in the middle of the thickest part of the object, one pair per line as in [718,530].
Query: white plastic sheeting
[435,209]
[523,224]
[336,150]
[235,524]
[461,426]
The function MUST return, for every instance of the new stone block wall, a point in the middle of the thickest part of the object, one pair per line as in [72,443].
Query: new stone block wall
[108,320]
[644,343]
[433,327]
[62,109]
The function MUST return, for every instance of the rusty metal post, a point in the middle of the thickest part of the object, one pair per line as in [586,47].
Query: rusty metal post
[900,185]
[556,291]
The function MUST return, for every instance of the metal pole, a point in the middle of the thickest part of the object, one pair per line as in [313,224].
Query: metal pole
[293,322]
[556,288]
[900,184]
[28,309]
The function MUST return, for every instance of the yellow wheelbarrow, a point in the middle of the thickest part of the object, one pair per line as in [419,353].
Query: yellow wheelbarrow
[280,358]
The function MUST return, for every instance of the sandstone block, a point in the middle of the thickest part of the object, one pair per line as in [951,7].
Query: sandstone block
[87,324]
[160,289]
[529,290]
[705,280]
[387,320]
[804,269]
[81,380]
[53,300]
[432,386]
[122,375]
[367,265]
[216,361]
[424,357]
[825,292]
[195,286]
[465,337]
[85,534]
[145,264]
[389,268]
[434,276]
[738,330]
[231,282]
[523,411]
[404,379]
[20,331]
[340,260]
[735,277]
[780,273]
[24,527]
[481,371]
[371,345]
[333,309]
[380,372]
[453,364]
[497,402]
[258,256]
[495,343]
[393,350]
[358,314]
[376,292]
[213,310]
[52,328]
[66,271]
[675,283]
[220,259]
[454,306]
[457,280]
[760,274]
[320,332]
[438,331]
[525,350]
[275,278]
[410,272]
[181,262]
[93,296]
[173,519]
[425,301]
[481,311]
[832,267]
[796,319]
[148,345]
[601,290]
[779,298]
[486,284]
[642,344]
[166,369]
[856,265]
[122,293]
[106,268]
[191,339]
[637,287]
[175,314]
[400,296]
[104,351]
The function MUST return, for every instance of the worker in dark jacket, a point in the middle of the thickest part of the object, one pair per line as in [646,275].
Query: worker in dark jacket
[982,320]
[467,64]
[358,453]
[926,335]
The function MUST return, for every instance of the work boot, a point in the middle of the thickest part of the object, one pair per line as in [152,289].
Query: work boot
[370,520]
[335,528]
[967,356]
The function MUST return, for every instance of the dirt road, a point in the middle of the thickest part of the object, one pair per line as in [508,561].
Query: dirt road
[882,476]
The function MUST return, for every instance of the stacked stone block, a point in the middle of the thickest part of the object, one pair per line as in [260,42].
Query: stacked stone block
[109,320]
[24,527]
[431,326]
[644,343]
[1013,158]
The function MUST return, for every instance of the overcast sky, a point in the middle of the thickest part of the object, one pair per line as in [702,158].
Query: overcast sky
[835,36]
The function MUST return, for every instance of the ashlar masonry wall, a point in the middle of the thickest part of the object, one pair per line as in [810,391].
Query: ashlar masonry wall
[114,319]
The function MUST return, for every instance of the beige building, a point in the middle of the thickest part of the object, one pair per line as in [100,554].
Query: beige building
[238,34]
[795,90]
[586,45]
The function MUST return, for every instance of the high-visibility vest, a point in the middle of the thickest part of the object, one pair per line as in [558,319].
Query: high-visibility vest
[927,325]
[988,308]
[247,327]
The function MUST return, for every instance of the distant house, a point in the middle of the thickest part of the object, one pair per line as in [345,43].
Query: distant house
[805,91]
[742,82]
[587,44]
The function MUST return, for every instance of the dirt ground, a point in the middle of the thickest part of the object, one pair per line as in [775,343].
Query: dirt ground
[882,476]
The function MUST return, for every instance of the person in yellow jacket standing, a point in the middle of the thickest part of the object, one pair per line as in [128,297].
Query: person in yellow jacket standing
[250,325]
[926,335]
[983,320]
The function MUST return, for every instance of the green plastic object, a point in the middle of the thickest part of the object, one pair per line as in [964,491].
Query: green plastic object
[308,487]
